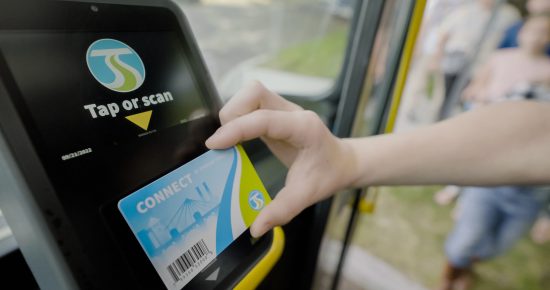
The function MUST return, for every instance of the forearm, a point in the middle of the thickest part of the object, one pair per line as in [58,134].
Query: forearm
[507,143]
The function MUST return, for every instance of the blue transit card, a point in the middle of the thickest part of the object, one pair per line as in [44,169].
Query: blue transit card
[186,218]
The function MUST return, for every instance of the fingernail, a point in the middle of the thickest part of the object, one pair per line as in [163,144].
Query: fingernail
[208,140]
[212,137]
[260,232]
[255,232]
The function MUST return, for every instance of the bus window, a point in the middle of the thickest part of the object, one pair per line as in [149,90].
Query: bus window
[295,47]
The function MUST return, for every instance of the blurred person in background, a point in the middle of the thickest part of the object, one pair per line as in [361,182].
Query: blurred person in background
[459,34]
[506,69]
[423,94]
[491,220]
[510,38]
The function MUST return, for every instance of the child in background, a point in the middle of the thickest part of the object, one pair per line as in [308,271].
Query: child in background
[508,71]
[512,67]
[510,39]
[491,220]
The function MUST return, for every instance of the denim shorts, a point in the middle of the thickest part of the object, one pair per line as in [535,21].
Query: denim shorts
[490,221]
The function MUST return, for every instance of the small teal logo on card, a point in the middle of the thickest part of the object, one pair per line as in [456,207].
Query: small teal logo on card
[115,65]
[256,200]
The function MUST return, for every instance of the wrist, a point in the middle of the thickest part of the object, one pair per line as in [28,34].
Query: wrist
[374,159]
[355,173]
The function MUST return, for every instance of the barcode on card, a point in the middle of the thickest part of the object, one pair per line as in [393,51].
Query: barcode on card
[191,257]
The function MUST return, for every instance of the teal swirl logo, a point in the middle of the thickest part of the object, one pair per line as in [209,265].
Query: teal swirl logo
[115,65]
[256,200]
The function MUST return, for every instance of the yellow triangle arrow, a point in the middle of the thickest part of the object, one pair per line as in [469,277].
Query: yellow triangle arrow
[141,119]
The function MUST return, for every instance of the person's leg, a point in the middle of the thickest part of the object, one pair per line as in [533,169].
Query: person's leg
[473,231]
[477,219]
[520,207]
[450,81]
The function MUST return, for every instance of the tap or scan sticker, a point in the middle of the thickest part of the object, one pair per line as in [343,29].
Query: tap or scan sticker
[186,218]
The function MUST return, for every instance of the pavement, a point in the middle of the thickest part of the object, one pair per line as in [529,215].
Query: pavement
[361,271]
[282,82]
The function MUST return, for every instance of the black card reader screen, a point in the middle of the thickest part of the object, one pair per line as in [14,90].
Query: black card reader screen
[89,91]
[107,113]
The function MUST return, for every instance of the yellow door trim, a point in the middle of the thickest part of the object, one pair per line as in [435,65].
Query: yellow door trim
[264,266]
[408,50]
[368,204]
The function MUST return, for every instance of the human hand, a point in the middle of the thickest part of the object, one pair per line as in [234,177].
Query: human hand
[469,94]
[319,163]
[540,233]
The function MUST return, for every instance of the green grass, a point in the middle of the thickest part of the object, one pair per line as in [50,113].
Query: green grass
[320,57]
[408,231]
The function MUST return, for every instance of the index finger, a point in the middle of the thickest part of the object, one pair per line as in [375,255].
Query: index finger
[252,97]
[278,125]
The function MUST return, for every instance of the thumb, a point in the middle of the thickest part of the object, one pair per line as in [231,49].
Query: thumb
[280,211]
